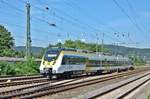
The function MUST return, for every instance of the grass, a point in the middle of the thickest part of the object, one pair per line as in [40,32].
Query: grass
[148,97]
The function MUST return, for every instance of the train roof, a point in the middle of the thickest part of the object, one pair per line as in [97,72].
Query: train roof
[108,57]
[113,58]
[70,49]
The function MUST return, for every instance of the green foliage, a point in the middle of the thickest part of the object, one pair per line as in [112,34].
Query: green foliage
[6,68]
[20,53]
[137,61]
[19,68]
[77,44]
[69,44]
[6,42]
[148,97]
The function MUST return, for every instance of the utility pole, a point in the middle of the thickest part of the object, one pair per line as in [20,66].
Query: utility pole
[68,36]
[97,38]
[102,46]
[28,33]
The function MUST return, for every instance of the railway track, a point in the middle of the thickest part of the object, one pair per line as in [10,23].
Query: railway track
[14,81]
[126,94]
[23,82]
[6,76]
[20,77]
[47,89]
[121,90]
[13,93]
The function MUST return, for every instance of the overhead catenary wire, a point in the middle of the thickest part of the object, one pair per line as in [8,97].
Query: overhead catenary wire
[21,11]
[19,26]
[76,22]
[129,17]
[60,28]
[47,22]
[23,37]
[12,6]
[135,16]
[81,23]
[97,30]
[74,5]
[38,18]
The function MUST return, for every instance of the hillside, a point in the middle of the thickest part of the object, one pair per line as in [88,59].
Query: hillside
[125,51]
[121,50]
[34,50]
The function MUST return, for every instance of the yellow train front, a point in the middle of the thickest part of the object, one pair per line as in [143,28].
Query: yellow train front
[67,62]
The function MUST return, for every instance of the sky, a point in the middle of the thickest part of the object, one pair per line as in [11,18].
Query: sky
[118,22]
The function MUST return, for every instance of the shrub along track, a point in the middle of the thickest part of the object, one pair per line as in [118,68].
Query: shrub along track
[47,89]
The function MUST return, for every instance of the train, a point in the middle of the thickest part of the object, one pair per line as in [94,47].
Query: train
[65,62]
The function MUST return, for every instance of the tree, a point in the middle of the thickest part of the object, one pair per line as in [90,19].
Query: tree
[69,44]
[85,46]
[77,44]
[137,60]
[6,42]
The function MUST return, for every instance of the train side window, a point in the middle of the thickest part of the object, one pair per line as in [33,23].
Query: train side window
[65,60]
[73,60]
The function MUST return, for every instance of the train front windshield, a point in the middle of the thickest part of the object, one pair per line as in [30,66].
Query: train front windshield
[51,55]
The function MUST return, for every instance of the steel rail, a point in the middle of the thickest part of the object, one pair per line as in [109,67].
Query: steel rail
[55,89]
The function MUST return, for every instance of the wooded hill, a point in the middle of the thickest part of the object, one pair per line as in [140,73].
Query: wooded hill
[115,50]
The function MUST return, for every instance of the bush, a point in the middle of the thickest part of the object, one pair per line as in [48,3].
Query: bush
[137,61]
[19,68]
[6,68]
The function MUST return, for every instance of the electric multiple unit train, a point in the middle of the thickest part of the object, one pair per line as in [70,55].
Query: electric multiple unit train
[66,62]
